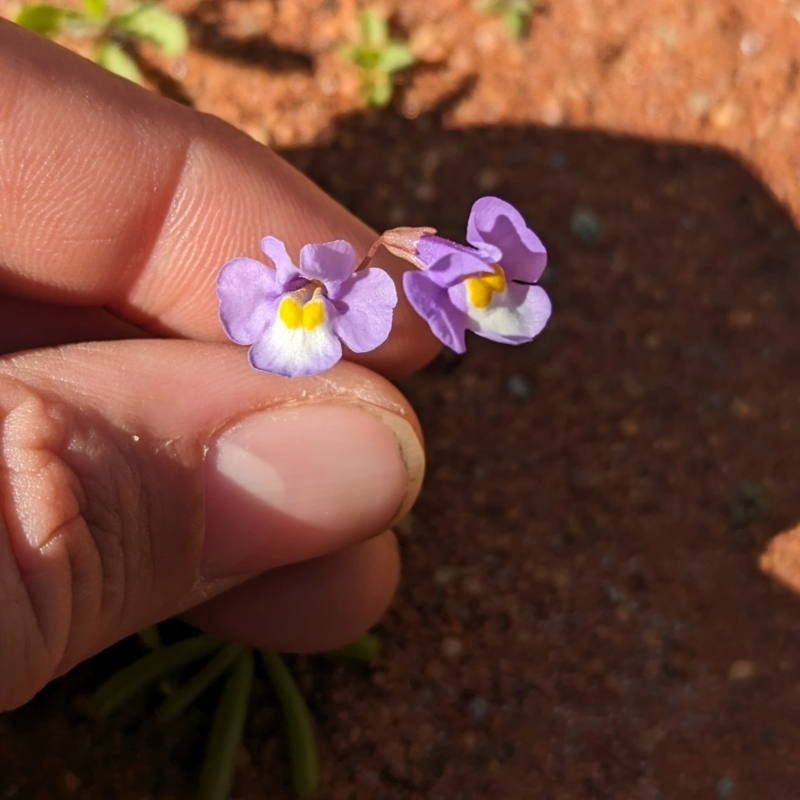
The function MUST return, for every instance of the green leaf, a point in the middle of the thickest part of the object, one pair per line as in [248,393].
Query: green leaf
[304,764]
[147,670]
[150,637]
[96,9]
[111,56]
[225,738]
[515,23]
[374,28]
[185,695]
[154,24]
[43,19]
[365,649]
[379,89]
[394,57]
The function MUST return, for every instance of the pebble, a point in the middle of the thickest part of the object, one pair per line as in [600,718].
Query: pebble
[585,225]
[751,43]
[71,782]
[557,161]
[478,709]
[518,387]
[725,788]
[741,670]
[452,647]
[699,103]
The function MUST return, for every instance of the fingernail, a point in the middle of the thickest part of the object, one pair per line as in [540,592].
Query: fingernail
[290,484]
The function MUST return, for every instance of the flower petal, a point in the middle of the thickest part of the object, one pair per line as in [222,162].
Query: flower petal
[513,316]
[363,305]
[431,302]
[247,291]
[494,224]
[287,271]
[448,262]
[296,351]
[330,262]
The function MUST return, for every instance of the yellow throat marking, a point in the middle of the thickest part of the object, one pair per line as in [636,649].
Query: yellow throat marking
[293,315]
[481,289]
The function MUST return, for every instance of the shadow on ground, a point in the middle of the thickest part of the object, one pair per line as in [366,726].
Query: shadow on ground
[582,614]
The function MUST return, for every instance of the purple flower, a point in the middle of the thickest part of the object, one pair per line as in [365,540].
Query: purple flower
[486,288]
[296,319]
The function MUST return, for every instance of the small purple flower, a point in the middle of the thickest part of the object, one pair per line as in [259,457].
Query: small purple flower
[296,319]
[486,288]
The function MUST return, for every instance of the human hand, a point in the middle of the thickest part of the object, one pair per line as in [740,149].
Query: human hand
[160,474]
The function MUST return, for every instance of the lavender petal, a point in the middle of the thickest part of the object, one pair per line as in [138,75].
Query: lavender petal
[247,291]
[330,262]
[287,272]
[363,309]
[496,225]
[296,352]
[431,302]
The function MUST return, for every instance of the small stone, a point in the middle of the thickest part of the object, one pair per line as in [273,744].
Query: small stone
[741,319]
[741,670]
[552,112]
[629,428]
[452,647]
[725,788]
[71,782]
[518,387]
[473,586]
[699,103]
[651,738]
[725,116]
[557,161]
[478,709]
[488,179]
[585,226]
[751,43]
[445,575]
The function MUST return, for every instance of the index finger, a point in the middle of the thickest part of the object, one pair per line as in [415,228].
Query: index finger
[115,197]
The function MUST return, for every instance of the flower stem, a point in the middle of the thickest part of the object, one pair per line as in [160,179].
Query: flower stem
[299,730]
[225,738]
[147,670]
[185,695]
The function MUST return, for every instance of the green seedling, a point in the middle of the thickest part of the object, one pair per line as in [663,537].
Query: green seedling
[516,14]
[111,33]
[378,58]
[165,666]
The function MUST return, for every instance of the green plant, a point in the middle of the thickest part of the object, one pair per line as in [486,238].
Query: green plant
[516,14]
[111,33]
[162,666]
[378,57]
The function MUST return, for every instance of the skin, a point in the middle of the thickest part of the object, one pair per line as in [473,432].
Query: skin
[129,425]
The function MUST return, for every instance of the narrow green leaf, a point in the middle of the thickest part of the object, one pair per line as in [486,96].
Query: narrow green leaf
[225,738]
[111,56]
[374,28]
[379,89]
[43,19]
[150,637]
[365,649]
[299,729]
[96,9]
[394,57]
[514,22]
[147,670]
[185,695]
[155,24]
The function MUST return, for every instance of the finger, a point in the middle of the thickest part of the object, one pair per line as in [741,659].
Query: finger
[134,203]
[310,607]
[138,479]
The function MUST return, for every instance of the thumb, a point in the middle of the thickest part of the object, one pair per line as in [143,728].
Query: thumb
[139,479]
